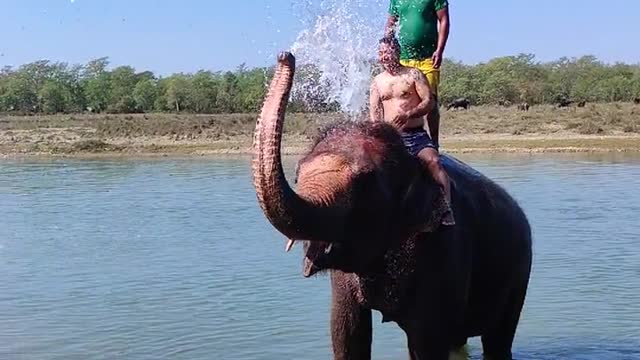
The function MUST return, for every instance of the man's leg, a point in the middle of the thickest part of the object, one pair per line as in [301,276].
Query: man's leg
[433,122]
[430,158]
[433,117]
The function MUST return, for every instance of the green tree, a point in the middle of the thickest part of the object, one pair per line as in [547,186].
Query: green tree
[97,84]
[98,92]
[54,96]
[252,89]
[19,95]
[178,92]
[123,82]
[145,95]
[204,92]
[227,97]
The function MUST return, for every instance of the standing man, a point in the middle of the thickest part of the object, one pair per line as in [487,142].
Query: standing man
[422,45]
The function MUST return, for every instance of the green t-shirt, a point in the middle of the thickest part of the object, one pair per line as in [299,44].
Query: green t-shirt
[417,26]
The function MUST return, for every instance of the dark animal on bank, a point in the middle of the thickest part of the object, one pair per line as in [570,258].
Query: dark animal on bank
[524,106]
[505,103]
[636,101]
[459,103]
[368,213]
[564,102]
[582,103]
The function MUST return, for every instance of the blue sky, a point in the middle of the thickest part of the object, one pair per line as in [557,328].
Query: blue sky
[186,35]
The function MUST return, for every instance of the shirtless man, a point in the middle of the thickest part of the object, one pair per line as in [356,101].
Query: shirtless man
[401,96]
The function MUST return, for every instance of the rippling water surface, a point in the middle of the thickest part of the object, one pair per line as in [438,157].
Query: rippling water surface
[172,258]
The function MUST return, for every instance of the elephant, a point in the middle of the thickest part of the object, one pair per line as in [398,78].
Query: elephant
[368,215]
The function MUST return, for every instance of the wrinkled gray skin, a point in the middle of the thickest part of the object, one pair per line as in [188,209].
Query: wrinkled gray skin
[359,202]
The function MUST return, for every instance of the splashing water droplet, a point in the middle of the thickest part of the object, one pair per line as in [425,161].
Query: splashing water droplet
[336,50]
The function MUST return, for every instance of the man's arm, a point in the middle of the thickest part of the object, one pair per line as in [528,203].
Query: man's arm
[390,27]
[392,20]
[425,93]
[443,35]
[376,111]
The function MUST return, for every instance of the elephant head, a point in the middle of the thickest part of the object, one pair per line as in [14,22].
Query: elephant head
[358,190]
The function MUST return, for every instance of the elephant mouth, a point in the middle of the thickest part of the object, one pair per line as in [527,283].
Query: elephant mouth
[309,268]
[317,258]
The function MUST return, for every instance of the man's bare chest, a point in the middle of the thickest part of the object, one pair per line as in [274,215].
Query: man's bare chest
[399,88]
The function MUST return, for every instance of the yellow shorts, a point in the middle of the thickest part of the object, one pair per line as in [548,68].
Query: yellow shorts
[426,66]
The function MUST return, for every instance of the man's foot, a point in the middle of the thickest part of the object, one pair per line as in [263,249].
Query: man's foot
[439,219]
[447,218]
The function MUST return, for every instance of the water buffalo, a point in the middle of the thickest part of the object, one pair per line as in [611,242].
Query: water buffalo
[564,102]
[459,103]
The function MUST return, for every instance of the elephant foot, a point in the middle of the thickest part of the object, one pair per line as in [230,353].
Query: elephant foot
[460,354]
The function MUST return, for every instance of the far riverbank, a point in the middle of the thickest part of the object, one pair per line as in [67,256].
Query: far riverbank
[491,129]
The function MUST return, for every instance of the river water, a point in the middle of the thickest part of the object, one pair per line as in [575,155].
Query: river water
[172,259]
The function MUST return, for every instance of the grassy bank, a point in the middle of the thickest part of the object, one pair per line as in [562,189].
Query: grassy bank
[596,127]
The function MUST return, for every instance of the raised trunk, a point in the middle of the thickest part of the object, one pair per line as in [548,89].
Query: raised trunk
[290,214]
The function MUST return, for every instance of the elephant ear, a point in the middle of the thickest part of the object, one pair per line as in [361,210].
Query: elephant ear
[424,207]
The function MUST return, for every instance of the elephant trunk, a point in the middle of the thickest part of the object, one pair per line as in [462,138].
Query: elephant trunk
[293,216]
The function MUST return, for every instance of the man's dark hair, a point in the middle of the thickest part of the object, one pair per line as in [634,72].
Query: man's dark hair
[391,41]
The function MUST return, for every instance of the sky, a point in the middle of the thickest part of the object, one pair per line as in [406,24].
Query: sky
[187,35]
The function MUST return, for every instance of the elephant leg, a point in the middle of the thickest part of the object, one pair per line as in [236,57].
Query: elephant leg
[497,343]
[459,350]
[428,350]
[351,323]
[461,353]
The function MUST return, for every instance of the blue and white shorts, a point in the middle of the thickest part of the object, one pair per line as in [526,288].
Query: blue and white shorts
[416,140]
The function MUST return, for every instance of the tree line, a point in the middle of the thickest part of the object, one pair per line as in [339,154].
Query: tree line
[56,87]
[516,79]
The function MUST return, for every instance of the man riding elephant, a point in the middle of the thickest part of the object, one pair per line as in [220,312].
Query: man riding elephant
[422,44]
[401,96]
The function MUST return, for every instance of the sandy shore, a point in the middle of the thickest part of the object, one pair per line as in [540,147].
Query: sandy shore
[65,143]
[601,128]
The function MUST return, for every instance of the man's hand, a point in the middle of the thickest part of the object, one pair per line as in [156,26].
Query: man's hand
[437,59]
[400,119]
[376,110]
[443,36]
